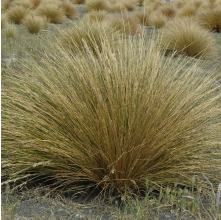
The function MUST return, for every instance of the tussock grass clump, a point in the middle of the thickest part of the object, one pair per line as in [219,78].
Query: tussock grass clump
[24,3]
[130,5]
[197,3]
[210,19]
[96,16]
[187,11]
[96,5]
[36,3]
[85,34]
[186,36]
[157,19]
[53,12]
[168,10]
[124,23]
[114,119]
[10,30]
[4,20]
[5,4]
[35,23]
[69,9]
[117,7]
[17,13]
[142,17]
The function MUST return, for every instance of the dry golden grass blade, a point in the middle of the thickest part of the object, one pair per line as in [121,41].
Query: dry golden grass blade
[113,118]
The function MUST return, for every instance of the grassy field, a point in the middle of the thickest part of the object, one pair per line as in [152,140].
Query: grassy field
[109,113]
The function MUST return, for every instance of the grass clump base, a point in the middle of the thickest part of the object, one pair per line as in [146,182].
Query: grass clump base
[112,119]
